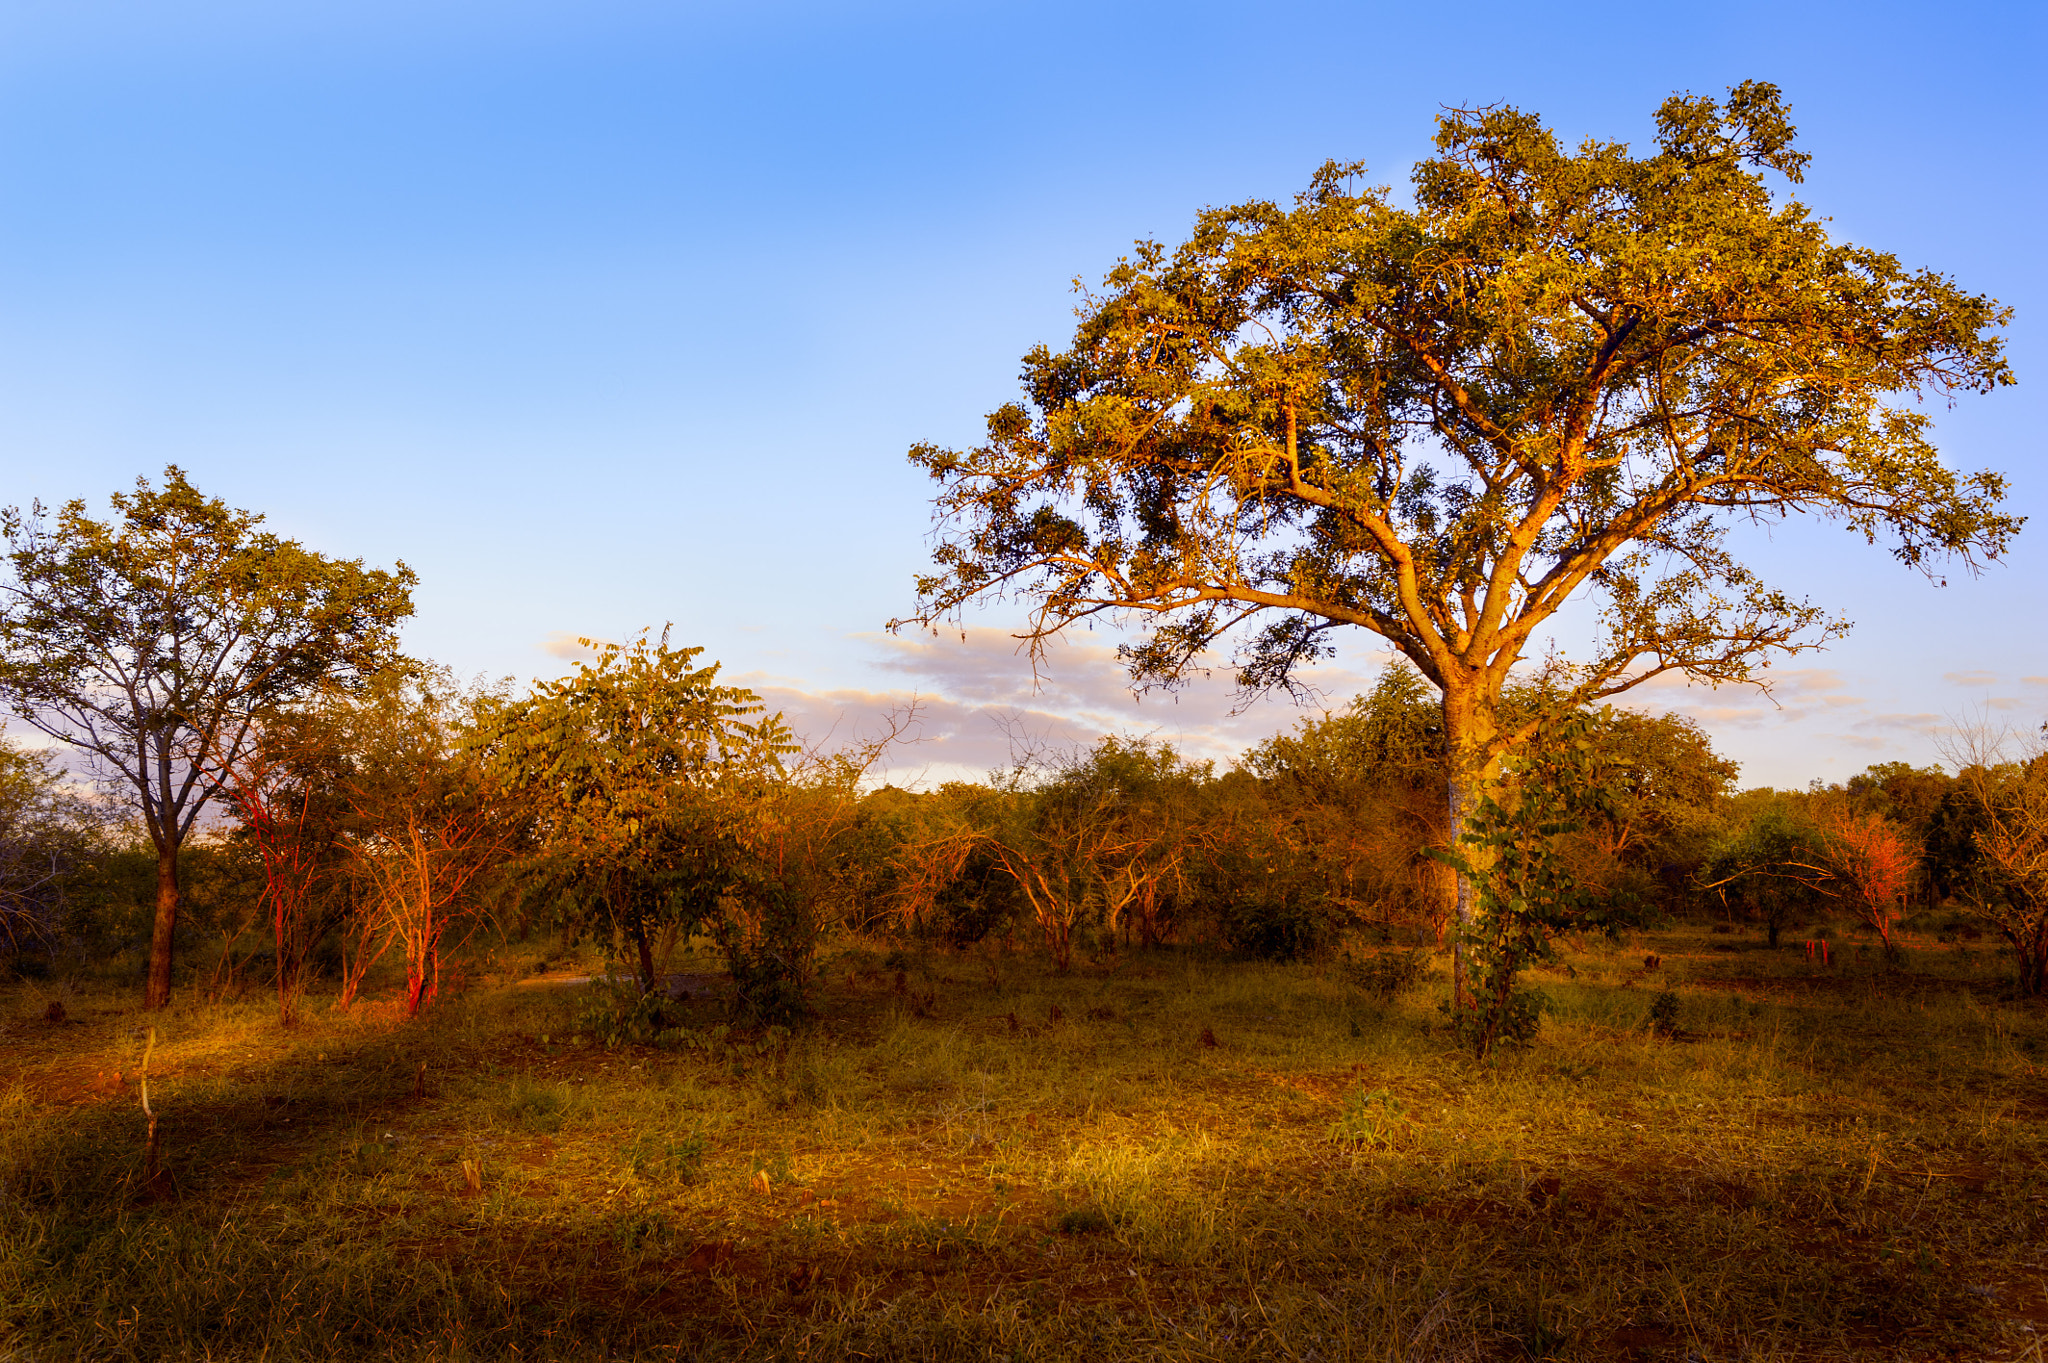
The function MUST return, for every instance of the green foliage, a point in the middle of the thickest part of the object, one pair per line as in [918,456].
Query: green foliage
[1771,866]
[2001,804]
[629,769]
[616,1015]
[1392,735]
[1096,842]
[47,835]
[426,835]
[1385,974]
[1356,799]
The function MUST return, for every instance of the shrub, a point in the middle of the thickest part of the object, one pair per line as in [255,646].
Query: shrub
[1385,974]
[1664,1014]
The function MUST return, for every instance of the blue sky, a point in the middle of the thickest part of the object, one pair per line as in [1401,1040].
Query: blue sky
[604,315]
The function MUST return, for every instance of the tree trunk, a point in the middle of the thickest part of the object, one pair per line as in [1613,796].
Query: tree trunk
[1469,729]
[646,955]
[157,992]
[2030,958]
[288,966]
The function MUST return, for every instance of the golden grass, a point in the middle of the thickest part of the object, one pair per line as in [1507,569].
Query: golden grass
[1821,1163]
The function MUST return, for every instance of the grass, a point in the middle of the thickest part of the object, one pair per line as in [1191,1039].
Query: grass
[1801,1162]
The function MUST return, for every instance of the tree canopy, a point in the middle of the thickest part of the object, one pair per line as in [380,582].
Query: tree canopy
[1556,373]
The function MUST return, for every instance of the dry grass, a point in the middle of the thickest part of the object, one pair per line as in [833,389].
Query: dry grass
[1820,1163]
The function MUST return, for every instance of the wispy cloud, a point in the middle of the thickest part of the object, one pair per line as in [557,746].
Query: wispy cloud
[1785,696]
[1970,678]
[1925,724]
[976,699]
[567,646]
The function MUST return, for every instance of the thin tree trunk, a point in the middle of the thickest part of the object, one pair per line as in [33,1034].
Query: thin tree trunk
[646,955]
[157,992]
[287,964]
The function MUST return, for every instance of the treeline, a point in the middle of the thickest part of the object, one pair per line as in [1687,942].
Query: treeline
[272,769]
[638,802]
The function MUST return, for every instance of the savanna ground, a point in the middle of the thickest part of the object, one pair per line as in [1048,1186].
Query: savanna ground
[983,1160]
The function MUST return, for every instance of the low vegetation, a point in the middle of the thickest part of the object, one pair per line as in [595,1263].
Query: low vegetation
[1160,1156]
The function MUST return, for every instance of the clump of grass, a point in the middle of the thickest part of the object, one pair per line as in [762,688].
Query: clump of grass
[538,1107]
[676,1161]
[1370,1120]
[1663,1014]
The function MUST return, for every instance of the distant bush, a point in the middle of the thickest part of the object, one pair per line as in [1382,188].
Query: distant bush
[1384,974]
[1663,1015]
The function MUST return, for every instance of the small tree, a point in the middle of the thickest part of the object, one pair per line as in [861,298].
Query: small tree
[1364,790]
[619,766]
[426,831]
[792,854]
[1095,837]
[282,789]
[1874,866]
[2007,821]
[45,833]
[149,642]
[1773,867]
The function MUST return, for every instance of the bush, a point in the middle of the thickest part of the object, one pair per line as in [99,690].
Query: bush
[620,1015]
[1385,974]
[1272,929]
[1663,1015]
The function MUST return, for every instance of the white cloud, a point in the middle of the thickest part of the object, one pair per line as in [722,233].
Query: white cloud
[1978,678]
[1779,697]
[566,646]
[976,699]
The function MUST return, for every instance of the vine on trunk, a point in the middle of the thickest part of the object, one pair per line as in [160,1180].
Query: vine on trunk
[1512,854]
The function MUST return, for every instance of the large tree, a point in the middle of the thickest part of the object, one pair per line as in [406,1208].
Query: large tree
[1556,374]
[150,641]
